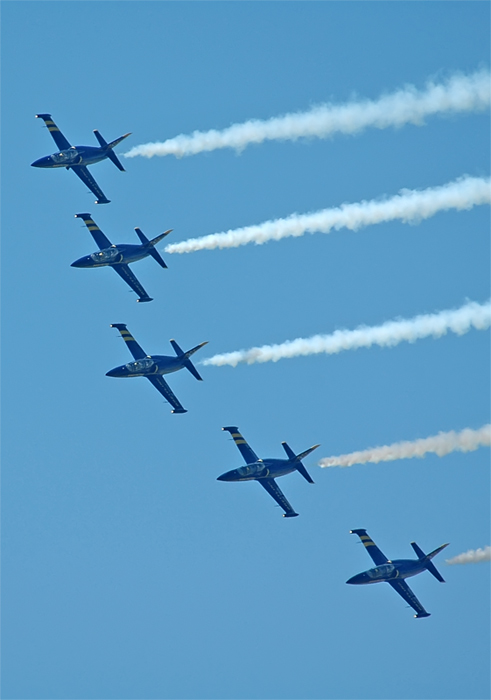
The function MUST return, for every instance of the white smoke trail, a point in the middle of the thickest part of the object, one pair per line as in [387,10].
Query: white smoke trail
[459,321]
[473,556]
[442,444]
[407,206]
[460,93]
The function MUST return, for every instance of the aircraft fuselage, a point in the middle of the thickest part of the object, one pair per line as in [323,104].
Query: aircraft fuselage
[262,469]
[395,569]
[76,155]
[148,366]
[115,255]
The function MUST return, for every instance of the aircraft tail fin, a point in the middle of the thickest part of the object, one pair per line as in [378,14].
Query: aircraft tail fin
[298,460]
[109,146]
[427,560]
[155,255]
[186,355]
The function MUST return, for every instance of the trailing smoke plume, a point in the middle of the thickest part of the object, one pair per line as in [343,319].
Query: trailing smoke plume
[459,321]
[442,444]
[473,556]
[458,94]
[407,206]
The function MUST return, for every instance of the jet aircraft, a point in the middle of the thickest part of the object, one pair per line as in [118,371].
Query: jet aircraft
[118,256]
[265,471]
[77,158]
[154,366]
[394,571]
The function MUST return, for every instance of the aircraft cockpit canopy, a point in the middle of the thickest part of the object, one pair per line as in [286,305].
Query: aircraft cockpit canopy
[140,365]
[68,156]
[251,469]
[382,571]
[105,256]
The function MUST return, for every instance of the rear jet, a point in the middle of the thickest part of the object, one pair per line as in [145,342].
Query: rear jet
[394,571]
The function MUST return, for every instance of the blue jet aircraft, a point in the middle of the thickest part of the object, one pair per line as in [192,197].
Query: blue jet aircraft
[396,570]
[77,158]
[265,471]
[154,366]
[118,256]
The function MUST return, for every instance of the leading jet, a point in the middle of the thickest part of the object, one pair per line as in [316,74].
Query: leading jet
[77,158]
[118,256]
[394,571]
[265,471]
[154,366]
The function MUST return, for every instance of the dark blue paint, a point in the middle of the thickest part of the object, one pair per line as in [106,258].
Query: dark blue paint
[265,471]
[77,158]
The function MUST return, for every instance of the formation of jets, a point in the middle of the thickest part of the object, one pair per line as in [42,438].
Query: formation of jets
[263,470]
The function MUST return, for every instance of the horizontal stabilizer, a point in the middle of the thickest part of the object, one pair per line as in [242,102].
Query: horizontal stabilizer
[297,458]
[291,454]
[433,570]
[426,558]
[109,146]
[177,349]
[114,158]
[304,472]
[155,254]
[100,138]
[186,355]
[418,550]
[189,365]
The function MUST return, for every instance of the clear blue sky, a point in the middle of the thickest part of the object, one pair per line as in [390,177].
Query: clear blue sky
[128,570]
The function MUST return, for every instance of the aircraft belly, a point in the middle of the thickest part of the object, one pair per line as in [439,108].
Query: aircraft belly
[127,259]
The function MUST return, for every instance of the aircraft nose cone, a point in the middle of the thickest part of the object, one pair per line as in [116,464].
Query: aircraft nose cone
[40,163]
[81,262]
[113,373]
[225,477]
[354,580]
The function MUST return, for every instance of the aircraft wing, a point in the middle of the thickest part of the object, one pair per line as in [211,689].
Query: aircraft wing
[62,143]
[274,490]
[83,173]
[161,385]
[102,241]
[136,350]
[130,279]
[245,449]
[376,554]
[403,589]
